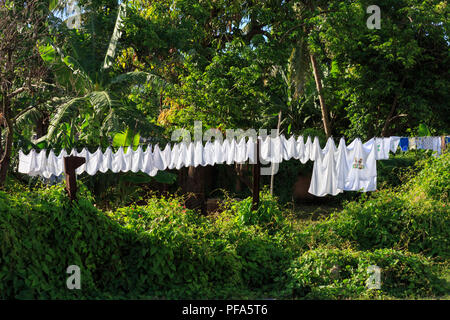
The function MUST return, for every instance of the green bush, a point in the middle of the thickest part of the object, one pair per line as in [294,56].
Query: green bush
[342,274]
[268,215]
[160,250]
[414,218]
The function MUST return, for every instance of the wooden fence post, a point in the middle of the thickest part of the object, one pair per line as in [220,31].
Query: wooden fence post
[71,163]
[256,175]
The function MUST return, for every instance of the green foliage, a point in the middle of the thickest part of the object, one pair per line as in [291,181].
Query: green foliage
[163,250]
[415,217]
[268,214]
[314,274]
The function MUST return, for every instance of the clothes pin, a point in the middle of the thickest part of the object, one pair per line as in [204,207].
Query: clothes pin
[71,163]
[256,176]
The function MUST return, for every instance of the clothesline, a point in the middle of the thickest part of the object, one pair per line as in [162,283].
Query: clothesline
[333,170]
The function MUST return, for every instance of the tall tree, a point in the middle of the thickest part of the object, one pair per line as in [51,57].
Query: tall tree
[22,26]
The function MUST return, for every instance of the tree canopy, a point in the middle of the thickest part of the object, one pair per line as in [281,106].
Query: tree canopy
[150,67]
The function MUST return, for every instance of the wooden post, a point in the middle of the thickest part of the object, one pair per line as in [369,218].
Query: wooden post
[256,175]
[71,163]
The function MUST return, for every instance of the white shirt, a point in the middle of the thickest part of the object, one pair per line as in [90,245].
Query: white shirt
[326,170]
[360,168]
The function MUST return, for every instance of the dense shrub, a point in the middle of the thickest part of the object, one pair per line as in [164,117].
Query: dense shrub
[161,250]
[340,274]
[415,217]
[269,215]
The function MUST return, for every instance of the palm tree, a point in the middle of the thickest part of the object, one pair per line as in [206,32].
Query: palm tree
[88,90]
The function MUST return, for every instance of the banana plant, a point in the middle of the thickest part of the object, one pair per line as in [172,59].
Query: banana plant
[92,92]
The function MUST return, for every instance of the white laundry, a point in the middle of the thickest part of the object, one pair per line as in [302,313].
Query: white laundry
[394,143]
[166,156]
[360,168]
[303,149]
[208,154]
[147,161]
[136,159]
[241,155]
[95,160]
[251,150]
[346,168]
[106,163]
[219,157]
[264,149]
[198,154]
[276,150]
[127,158]
[117,162]
[327,168]
[289,148]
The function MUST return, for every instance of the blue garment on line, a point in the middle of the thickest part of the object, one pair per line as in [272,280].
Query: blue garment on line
[404,143]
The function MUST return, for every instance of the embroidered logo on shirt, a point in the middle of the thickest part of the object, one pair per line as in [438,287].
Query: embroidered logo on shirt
[358,163]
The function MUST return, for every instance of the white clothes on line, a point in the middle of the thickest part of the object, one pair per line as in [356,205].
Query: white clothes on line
[345,168]
[328,166]
[359,168]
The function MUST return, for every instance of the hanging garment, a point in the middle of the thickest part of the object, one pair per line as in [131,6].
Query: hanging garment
[314,150]
[50,167]
[60,163]
[117,162]
[382,147]
[219,157]
[241,151]
[174,154]
[95,160]
[303,149]
[25,161]
[251,150]
[412,143]
[182,152]
[147,161]
[158,162]
[198,154]
[136,159]
[264,149]
[288,148]
[404,143]
[360,168]
[166,156]
[394,142]
[326,170]
[208,154]
[429,143]
[276,150]
[106,163]
[229,150]
[127,159]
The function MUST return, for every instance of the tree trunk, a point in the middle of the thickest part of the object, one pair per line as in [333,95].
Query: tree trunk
[391,113]
[323,107]
[6,154]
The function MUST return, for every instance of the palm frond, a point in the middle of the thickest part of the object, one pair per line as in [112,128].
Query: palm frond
[68,72]
[138,78]
[28,116]
[101,101]
[117,33]
[63,112]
